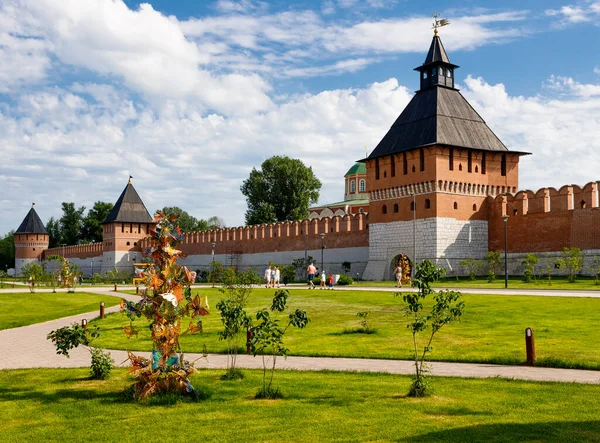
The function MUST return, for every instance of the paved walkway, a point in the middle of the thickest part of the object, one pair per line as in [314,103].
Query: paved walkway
[27,347]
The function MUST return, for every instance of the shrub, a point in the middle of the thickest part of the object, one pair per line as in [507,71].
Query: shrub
[344,280]
[288,274]
[493,260]
[531,261]
[346,266]
[102,364]
[571,262]
[472,267]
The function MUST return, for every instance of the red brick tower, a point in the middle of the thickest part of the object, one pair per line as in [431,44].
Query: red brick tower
[125,226]
[437,165]
[31,239]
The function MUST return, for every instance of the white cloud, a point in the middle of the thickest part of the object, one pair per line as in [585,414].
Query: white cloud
[583,12]
[568,86]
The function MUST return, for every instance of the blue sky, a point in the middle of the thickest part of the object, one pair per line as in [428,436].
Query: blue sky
[188,96]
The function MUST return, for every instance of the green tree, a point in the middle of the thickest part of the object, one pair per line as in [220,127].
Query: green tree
[530,263]
[7,251]
[215,222]
[54,233]
[92,223]
[571,262]
[282,189]
[235,320]
[447,308]
[493,260]
[71,224]
[267,338]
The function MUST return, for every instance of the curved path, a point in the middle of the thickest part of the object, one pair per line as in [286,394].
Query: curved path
[27,347]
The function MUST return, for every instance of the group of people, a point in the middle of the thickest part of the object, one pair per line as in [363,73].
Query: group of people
[272,276]
[326,282]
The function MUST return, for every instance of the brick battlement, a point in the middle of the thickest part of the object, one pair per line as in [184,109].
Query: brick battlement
[546,220]
[77,251]
[341,232]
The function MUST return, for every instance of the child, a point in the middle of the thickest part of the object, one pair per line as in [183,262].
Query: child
[331,281]
[277,276]
[322,284]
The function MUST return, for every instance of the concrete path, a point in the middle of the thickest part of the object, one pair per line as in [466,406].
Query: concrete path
[27,347]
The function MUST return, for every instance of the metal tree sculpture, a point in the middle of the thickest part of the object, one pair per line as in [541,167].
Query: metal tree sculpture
[167,301]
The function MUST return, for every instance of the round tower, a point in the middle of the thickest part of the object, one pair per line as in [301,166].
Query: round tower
[31,240]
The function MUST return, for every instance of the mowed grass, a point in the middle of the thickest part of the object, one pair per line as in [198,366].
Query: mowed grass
[514,282]
[492,329]
[63,405]
[24,308]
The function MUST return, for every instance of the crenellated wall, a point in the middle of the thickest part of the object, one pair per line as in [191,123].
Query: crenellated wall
[547,220]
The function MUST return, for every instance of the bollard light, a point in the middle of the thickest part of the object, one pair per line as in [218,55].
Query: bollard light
[249,335]
[137,289]
[101,309]
[530,346]
[84,323]
[115,287]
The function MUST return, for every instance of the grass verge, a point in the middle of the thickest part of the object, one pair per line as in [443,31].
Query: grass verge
[492,329]
[21,309]
[64,405]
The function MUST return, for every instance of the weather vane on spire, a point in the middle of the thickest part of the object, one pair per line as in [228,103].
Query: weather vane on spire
[438,23]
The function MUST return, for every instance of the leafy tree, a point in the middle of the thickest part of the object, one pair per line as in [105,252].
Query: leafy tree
[92,223]
[282,189]
[531,261]
[301,264]
[54,233]
[71,224]
[267,338]
[52,267]
[215,272]
[571,262]
[594,268]
[234,318]
[288,274]
[215,222]
[472,267]
[33,270]
[493,260]
[3,277]
[346,266]
[447,308]
[7,251]
[549,267]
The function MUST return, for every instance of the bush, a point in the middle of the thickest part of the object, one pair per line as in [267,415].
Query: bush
[102,364]
[344,280]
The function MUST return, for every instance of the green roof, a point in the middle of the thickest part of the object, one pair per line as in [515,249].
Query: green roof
[358,168]
[357,202]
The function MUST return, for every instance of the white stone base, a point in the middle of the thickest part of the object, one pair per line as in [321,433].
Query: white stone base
[444,241]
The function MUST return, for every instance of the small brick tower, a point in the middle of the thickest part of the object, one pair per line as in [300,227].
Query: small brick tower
[127,223]
[31,240]
[431,175]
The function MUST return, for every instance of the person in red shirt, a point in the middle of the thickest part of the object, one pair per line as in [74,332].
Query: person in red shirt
[330,281]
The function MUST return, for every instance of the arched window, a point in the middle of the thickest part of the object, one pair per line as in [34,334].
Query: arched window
[583,204]
[474,205]
[427,203]
[455,205]
[352,187]
[476,169]
[127,243]
[449,73]
[384,209]
[412,206]
[460,167]
[395,207]
[361,211]
[413,168]
[362,186]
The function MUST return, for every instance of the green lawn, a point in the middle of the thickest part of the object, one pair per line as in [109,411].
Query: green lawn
[24,308]
[63,405]
[514,282]
[492,329]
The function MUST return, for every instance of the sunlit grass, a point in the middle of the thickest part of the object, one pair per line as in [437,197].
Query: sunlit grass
[24,308]
[64,405]
[492,328]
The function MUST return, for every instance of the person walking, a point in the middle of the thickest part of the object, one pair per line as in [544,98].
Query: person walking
[311,271]
[398,274]
[268,276]
[331,281]
[322,282]
[277,276]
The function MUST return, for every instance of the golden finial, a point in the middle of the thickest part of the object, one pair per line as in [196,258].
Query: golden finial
[129,181]
[32,205]
[438,23]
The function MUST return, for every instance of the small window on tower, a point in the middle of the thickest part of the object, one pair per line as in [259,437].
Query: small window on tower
[455,205]
[427,203]
[352,187]
[362,186]
[384,209]
[449,73]
[395,207]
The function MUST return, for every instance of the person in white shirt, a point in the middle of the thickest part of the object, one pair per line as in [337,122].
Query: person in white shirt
[277,276]
[268,276]
[322,284]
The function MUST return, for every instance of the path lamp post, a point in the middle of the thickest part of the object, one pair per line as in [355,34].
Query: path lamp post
[92,270]
[505,218]
[414,208]
[213,264]
[322,250]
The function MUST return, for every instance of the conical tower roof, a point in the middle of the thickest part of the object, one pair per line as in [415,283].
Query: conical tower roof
[129,208]
[32,224]
[437,53]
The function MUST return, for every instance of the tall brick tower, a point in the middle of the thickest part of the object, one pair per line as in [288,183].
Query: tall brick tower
[31,240]
[431,175]
[127,223]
